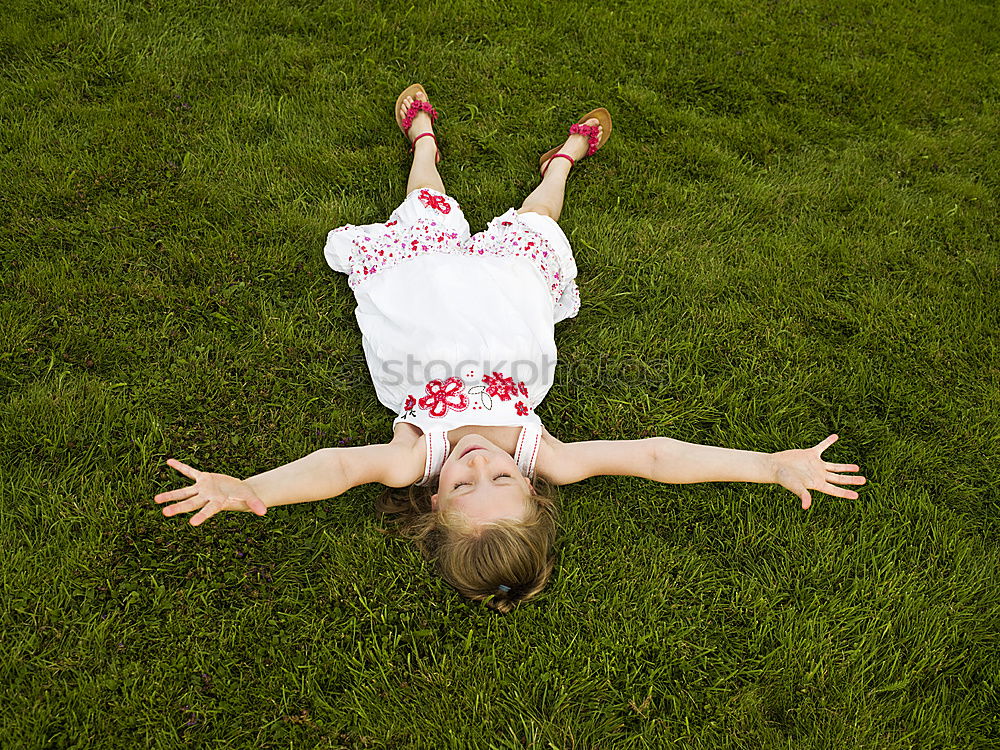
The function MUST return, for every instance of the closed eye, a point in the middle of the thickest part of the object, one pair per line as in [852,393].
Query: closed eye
[460,484]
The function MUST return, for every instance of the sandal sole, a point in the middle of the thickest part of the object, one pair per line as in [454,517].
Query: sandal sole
[603,117]
[411,91]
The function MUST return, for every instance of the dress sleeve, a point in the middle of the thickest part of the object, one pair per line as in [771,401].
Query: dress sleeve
[528,443]
[437,447]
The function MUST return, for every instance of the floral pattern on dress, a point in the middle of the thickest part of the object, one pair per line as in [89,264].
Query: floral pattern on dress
[380,250]
[444,396]
[437,202]
[381,246]
[453,394]
[512,239]
[409,407]
[499,386]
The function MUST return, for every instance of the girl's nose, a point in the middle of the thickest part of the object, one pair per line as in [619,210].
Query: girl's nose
[478,458]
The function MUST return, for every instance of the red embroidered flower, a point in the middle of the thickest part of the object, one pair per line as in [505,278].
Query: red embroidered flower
[410,403]
[499,386]
[391,223]
[437,202]
[443,396]
[523,389]
[521,408]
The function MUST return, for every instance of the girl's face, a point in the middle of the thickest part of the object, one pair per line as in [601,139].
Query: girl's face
[482,481]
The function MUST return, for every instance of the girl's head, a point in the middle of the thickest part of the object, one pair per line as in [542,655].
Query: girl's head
[490,531]
[482,485]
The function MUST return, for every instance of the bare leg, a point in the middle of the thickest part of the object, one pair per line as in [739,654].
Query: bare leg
[547,198]
[423,171]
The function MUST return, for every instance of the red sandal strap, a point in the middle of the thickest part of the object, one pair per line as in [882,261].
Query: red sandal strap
[592,137]
[413,143]
[437,151]
[412,111]
[572,161]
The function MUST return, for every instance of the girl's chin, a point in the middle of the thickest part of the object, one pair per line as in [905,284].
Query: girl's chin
[474,438]
[470,442]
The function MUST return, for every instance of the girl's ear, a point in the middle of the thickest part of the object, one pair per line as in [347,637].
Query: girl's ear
[434,501]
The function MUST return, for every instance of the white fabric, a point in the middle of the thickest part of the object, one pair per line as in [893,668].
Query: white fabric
[457,329]
[438,448]
[528,443]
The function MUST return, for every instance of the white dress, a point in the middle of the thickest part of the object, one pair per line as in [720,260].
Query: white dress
[457,329]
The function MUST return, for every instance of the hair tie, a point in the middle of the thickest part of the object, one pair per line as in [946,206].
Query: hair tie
[504,589]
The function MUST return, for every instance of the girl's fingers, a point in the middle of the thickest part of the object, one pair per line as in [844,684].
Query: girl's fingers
[831,489]
[845,479]
[254,504]
[205,513]
[182,494]
[842,467]
[184,507]
[806,499]
[827,443]
[183,468]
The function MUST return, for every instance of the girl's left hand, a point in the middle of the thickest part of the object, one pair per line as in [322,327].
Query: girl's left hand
[802,470]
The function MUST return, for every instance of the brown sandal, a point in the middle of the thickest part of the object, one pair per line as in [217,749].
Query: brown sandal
[405,121]
[603,117]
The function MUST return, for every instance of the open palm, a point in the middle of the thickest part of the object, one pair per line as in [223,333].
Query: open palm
[209,494]
[802,470]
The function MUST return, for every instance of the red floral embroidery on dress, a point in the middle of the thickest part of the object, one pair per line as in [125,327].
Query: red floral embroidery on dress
[437,202]
[443,396]
[500,386]
[521,408]
[409,407]
[523,389]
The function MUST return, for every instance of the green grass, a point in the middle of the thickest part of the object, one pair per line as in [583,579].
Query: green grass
[793,231]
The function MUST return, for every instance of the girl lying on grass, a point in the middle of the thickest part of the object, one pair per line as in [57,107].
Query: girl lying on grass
[457,332]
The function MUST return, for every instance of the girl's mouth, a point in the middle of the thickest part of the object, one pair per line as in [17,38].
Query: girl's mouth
[473,448]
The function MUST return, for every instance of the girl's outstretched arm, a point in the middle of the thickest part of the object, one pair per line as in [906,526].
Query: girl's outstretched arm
[322,474]
[667,460]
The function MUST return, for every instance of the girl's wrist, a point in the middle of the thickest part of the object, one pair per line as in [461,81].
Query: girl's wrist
[769,467]
[257,490]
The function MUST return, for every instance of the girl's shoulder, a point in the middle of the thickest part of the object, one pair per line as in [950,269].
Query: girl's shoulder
[406,434]
[411,451]
[549,455]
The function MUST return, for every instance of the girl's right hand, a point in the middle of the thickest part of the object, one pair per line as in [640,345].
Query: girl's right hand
[210,493]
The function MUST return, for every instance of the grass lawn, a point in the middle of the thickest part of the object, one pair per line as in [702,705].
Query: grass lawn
[793,231]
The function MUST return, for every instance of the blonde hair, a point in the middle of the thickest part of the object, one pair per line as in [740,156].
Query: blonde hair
[478,560]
